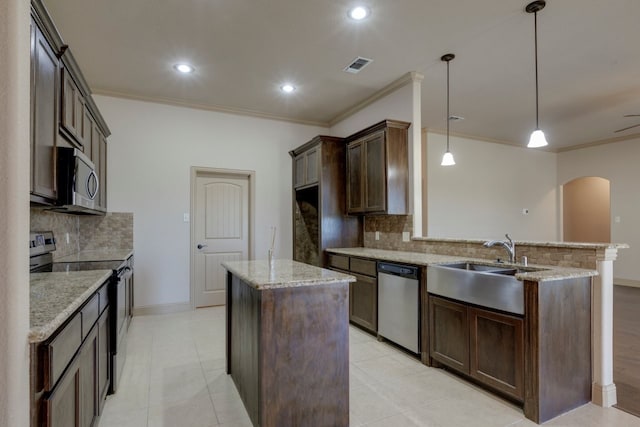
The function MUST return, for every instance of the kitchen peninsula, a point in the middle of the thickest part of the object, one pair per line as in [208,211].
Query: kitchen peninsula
[287,343]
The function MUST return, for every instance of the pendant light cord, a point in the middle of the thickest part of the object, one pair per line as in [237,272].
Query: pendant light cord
[535,36]
[448,106]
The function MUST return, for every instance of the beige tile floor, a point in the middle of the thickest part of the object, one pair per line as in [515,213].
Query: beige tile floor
[174,376]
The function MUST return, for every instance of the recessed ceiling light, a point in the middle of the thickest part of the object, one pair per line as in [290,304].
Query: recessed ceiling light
[184,68]
[287,88]
[358,13]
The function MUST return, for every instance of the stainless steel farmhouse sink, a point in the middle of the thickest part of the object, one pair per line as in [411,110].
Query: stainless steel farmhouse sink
[493,286]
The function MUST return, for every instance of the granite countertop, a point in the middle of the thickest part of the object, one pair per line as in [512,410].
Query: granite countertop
[55,296]
[98,255]
[538,273]
[284,274]
[574,245]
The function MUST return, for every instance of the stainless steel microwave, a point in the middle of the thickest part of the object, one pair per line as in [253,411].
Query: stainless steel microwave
[78,183]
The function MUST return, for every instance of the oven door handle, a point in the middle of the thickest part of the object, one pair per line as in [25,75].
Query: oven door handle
[125,273]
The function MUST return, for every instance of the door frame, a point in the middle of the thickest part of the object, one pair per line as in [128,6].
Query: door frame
[198,171]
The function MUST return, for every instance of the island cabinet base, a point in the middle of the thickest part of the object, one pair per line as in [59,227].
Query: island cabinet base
[557,347]
[288,352]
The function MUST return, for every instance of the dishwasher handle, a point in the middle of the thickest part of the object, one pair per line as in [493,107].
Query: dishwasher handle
[398,270]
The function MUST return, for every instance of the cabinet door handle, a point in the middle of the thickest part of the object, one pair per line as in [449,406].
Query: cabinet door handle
[201,246]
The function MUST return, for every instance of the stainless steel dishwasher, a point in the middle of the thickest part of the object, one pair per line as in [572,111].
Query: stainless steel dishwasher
[399,304]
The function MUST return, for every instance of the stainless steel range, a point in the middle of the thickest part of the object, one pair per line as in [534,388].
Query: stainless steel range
[41,248]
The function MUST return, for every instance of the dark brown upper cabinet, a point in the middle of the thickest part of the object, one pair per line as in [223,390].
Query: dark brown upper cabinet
[44,117]
[306,167]
[73,108]
[378,169]
[319,214]
[63,112]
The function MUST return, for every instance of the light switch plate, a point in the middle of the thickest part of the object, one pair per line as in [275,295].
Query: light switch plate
[185,218]
[377,235]
[406,236]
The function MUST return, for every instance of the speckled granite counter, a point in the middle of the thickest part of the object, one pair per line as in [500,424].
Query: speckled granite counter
[284,274]
[539,273]
[55,296]
[98,255]
[574,245]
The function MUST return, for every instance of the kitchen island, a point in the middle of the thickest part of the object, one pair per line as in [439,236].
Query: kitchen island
[287,342]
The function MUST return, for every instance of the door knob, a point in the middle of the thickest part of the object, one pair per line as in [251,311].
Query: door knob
[200,246]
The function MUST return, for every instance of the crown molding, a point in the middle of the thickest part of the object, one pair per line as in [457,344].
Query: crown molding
[407,78]
[217,108]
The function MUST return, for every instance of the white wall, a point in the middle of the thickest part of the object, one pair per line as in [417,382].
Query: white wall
[397,106]
[151,151]
[619,163]
[483,195]
[14,212]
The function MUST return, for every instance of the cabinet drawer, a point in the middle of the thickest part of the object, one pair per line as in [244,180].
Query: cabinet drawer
[363,266]
[90,313]
[339,261]
[60,351]
[104,296]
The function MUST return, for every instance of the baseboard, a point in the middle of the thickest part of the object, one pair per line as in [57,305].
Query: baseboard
[627,282]
[162,309]
[604,396]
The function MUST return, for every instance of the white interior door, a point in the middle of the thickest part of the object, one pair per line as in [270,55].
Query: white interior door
[221,232]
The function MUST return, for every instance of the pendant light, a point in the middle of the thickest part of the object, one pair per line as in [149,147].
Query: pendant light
[447,159]
[537,138]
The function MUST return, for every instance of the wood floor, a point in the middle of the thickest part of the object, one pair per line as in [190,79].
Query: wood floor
[626,347]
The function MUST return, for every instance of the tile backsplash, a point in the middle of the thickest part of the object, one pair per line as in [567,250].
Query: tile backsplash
[114,230]
[86,232]
[391,228]
[61,225]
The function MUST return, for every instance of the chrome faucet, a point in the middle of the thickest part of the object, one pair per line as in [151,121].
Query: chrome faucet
[508,245]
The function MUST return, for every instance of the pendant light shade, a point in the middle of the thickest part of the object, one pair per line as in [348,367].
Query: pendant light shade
[537,138]
[447,159]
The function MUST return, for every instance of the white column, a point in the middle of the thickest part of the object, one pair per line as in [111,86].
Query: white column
[603,390]
[416,152]
[14,212]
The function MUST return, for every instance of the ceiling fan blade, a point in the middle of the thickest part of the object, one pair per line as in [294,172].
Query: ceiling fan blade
[627,128]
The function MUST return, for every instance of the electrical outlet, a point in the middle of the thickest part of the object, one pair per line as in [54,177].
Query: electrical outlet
[406,236]
[377,235]
[185,217]
[617,220]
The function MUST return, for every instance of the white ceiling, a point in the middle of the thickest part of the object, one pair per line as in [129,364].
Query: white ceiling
[243,50]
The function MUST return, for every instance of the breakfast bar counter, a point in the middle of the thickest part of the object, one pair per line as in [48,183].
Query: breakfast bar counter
[287,342]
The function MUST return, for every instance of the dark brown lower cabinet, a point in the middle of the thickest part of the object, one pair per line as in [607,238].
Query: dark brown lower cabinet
[71,376]
[363,301]
[363,293]
[449,333]
[89,379]
[62,407]
[497,351]
[73,401]
[484,344]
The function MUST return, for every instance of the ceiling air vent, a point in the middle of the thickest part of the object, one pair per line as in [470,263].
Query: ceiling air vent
[357,64]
